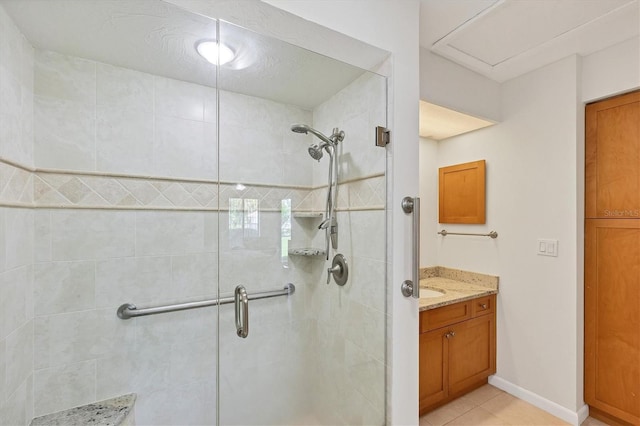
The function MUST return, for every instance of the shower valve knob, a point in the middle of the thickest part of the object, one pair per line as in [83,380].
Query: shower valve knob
[339,270]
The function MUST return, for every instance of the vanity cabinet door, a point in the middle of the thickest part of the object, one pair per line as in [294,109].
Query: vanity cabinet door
[472,357]
[459,356]
[433,367]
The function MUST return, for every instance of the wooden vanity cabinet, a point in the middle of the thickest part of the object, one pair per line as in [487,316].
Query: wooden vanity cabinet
[456,355]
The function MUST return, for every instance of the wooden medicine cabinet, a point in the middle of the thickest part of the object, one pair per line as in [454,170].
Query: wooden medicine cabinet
[461,190]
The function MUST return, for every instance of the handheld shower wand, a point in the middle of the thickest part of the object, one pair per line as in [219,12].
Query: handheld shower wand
[328,144]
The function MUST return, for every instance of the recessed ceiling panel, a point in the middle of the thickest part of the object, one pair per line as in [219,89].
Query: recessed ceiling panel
[514,27]
[439,17]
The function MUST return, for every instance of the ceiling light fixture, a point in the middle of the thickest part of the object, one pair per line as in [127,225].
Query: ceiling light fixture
[208,49]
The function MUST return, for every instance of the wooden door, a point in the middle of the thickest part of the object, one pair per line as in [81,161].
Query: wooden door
[432,368]
[613,158]
[612,317]
[471,352]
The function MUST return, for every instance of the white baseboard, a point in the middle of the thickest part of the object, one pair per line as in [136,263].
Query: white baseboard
[573,417]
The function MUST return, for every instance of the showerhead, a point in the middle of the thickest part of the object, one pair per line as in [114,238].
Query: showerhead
[303,128]
[300,128]
[328,144]
[315,152]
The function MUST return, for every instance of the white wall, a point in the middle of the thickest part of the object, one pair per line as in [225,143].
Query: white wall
[535,189]
[429,202]
[611,71]
[533,165]
[448,84]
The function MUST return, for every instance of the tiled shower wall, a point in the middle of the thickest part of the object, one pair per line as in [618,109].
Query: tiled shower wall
[97,128]
[349,334]
[16,226]
[104,234]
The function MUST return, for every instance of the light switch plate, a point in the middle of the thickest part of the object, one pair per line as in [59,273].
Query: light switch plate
[548,247]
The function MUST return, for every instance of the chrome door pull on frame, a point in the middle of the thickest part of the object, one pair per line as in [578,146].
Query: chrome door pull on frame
[242,311]
[412,287]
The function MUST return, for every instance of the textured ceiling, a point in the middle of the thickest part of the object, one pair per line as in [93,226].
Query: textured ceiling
[158,38]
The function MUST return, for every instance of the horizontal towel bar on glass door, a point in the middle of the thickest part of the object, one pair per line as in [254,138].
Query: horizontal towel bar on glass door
[129,310]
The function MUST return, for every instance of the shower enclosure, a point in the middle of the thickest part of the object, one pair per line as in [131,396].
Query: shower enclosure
[164,171]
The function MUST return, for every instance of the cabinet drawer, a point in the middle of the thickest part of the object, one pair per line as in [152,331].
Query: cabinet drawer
[446,315]
[483,305]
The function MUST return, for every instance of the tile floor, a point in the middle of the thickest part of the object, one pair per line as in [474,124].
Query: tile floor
[491,406]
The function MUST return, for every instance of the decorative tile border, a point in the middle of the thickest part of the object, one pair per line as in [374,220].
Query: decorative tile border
[24,187]
[66,190]
[358,194]
[16,185]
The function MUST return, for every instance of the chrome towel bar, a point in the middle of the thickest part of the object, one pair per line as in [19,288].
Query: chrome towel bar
[492,234]
[129,310]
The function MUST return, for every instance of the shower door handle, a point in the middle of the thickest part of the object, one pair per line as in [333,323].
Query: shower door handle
[412,287]
[242,311]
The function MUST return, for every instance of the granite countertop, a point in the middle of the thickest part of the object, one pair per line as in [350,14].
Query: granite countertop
[457,285]
[111,412]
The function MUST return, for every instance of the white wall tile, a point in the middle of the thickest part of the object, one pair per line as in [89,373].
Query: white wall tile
[63,387]
[11,91]
[10,47]
[266,270]
[142,369]
[159,233]
[196,407]
[3,248]
[249,155]
[79,336]
[185,148]
[64,77]
[64,134]
[367,284]
[64,287]
[194,362]
[88,235]
[124,88]
[16,118]
[368,237]
[15,286]
[210,105]
[42,237]
[194,274]
[267,236]
[124,140]
[164,331]
[174,98]
[366,375]
[14,411]
[19,356]
[140,280]
[3,369]
[297,167]
[16,94]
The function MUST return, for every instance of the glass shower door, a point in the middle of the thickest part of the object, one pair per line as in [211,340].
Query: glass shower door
[316,355]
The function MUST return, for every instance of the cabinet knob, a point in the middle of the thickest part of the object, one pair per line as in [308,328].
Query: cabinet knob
[450,334]
[483,305]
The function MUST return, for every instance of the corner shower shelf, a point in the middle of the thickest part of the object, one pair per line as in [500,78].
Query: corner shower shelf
[308,215]
[307,252]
